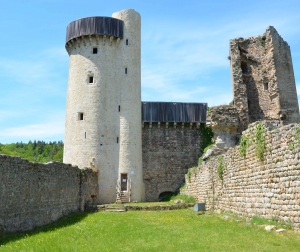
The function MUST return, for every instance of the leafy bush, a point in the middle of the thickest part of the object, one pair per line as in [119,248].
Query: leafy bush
[206,137]
[190,172]
[171,196]
[185,198]
[260,144]
[262,40]
[243,145]
[200,160]
[206,140]
[221,167]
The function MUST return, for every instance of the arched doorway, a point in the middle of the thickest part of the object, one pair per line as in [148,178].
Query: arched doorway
[165,196]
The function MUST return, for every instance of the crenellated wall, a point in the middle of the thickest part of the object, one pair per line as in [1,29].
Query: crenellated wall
[34,194]
[169,149]
[269,188]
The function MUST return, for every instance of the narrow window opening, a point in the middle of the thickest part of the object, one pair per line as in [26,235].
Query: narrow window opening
[85,135]
[117,139]
[95,50]
[119,108]
[126,41]
[282,117]
[80,116]
[126,70]
[266,86]
[244,67]
[91,79]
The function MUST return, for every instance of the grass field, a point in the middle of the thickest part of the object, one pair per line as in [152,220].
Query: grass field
[178,230]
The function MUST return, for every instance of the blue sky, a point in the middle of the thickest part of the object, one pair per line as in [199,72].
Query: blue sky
[185,46]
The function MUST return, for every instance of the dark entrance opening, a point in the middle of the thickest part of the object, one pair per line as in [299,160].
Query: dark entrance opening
[244,67]
[165,196]
[124,181]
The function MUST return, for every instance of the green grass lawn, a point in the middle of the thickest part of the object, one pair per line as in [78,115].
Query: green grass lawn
[177,230]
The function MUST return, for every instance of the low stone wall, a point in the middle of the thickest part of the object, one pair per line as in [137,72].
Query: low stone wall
[168,151]
[269,188]
[34,194]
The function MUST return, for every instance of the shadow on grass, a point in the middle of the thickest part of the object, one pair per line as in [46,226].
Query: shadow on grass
[65,221]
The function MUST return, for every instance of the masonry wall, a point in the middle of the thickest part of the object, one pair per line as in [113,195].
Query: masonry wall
[33,194]
[168,152]
[263,79]
[268,188]
[108,136]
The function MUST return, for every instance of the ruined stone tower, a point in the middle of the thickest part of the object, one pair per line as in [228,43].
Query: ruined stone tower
[263,79]
[103,117]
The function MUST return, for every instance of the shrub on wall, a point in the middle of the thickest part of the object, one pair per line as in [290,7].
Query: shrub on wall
[260,144]
[190,172]
[297,134]
[243,145]
[206,140]
[221,167]
[206,136]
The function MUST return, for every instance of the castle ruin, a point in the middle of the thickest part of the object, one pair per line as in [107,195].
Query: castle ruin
[138,150]
[263,79]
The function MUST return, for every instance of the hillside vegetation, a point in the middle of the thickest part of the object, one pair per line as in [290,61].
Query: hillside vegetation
[36,151]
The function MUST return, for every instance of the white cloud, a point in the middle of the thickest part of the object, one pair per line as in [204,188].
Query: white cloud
[34,131]
[42,70]
[26,71]
[6,115]
[57,53]
[49,126]
[178,54]
[219,99]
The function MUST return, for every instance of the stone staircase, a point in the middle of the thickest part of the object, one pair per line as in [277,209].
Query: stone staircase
[123,197]
[114,208]
[105,208]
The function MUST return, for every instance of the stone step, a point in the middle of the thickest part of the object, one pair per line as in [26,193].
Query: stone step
[115,210]
[124,208]
[115,207]
[123,198]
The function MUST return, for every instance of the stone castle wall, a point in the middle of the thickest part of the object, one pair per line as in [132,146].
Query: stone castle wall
[34,194]
[168,152]
[268,188]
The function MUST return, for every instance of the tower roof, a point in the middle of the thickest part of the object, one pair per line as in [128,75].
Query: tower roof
[174,112]
[95,26]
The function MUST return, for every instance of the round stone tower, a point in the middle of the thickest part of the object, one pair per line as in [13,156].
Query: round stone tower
[103,114]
